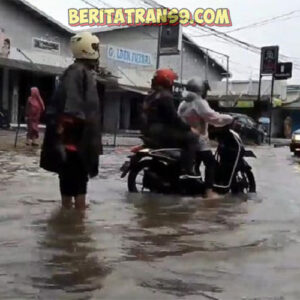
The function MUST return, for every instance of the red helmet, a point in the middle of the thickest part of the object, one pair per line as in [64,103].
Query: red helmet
[164,77]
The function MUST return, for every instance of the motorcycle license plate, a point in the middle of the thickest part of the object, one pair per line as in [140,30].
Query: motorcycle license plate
[125,169]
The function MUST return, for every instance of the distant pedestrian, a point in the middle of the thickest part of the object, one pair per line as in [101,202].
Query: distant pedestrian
[287,125]
[34,109]
[5,49]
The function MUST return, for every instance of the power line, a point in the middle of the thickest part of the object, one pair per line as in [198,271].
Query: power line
[261,23]
[103,2]
[90,4]
[268,21]
[224,36]
[204,48]
[244,45]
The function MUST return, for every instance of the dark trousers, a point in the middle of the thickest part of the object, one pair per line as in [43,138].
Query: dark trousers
[73,178]
[208,159]
[176,138]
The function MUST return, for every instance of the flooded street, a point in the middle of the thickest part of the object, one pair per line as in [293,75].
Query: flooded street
[149,247]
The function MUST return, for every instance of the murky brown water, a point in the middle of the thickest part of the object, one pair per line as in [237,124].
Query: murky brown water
[149,247]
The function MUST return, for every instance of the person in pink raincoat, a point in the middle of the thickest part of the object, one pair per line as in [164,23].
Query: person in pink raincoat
[34,109]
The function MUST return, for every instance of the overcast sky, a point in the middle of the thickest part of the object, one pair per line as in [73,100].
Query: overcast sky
[243,63]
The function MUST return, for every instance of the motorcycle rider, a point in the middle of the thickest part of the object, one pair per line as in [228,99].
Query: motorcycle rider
[163,125]
[196,112]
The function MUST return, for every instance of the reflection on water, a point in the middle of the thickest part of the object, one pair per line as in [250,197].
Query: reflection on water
[149,246]
[68,255]
[173,226]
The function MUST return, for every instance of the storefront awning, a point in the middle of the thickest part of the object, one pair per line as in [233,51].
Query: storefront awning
[138,90]
[244,104]
[28,66]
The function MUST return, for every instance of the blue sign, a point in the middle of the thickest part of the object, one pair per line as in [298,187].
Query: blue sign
[129,56]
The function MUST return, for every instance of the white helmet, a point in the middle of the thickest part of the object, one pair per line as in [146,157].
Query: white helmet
[85,45]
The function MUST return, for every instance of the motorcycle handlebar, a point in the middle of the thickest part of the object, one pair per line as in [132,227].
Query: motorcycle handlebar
[217,132]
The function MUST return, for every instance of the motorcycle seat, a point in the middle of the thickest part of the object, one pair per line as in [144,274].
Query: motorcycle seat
[172,153]
[156,149]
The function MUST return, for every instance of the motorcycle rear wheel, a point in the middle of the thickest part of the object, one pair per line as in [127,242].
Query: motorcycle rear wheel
[133,185]
[247,180]
[158,171]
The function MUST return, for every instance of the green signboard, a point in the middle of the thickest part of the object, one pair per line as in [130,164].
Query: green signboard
[245,104]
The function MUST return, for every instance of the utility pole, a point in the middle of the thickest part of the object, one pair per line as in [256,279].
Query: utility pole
[181,67]
[271,110]
[206,65]
[268,66]
[158,47]
[227,75]
[259,87]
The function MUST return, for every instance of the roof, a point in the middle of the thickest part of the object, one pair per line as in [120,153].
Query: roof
[200,50]
[42,15]
[28,66]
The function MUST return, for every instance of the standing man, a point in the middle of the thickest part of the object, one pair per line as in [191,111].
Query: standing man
[72,143]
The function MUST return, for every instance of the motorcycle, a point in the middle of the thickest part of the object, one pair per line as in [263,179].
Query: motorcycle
[158,170]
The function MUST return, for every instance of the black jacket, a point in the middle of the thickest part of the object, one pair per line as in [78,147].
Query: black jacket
[76,96]
[159,109]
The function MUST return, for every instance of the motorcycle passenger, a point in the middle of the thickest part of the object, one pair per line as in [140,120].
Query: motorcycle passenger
[196,112]
[163,125]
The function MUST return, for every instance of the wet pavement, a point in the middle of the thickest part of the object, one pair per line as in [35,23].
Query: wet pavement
[149,246]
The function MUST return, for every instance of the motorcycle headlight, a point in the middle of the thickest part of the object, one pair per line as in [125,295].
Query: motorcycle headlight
[296,137]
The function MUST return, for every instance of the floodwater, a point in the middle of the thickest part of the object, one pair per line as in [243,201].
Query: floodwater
[149,246]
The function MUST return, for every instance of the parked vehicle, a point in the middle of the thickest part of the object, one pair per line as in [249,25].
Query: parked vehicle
[250,130]
[295,143]
[264,123]
[158,170]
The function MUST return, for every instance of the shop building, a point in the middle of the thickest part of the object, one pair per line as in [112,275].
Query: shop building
[38,51]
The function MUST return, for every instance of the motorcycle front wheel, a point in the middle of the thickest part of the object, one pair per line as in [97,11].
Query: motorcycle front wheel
[244,182]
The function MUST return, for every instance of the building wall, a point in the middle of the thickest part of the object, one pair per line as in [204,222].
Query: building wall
[193,65]
[111,113]
[134,39]
[251,88]
[21,26]
[277,123]
[120,110]
[4,89]
[144,39]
